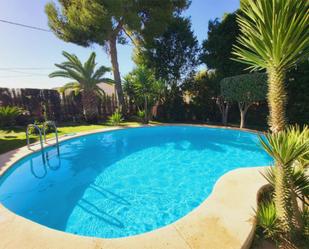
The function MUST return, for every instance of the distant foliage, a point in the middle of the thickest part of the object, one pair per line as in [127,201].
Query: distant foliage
[116,118]
[107,23]
[172,55]
[49,128]
[173,108]
[298,94]
[217,48]
[202,90]
[246,88]
[87,75]
[141,115]
[143,88]
[8,115]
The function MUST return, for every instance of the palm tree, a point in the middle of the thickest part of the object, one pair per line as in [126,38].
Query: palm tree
[87,77]
[274,36]
[142,85]
[288,148]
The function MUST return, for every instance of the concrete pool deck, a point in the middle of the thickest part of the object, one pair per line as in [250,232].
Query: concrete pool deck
[223,221]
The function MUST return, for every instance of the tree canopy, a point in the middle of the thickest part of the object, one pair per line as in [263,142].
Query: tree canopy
[244,89]
[142,86]
[87,76]
[217,48]
[106,22]
[247,88]
[172,55]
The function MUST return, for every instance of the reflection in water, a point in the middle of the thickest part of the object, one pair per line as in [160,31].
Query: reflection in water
[46,159]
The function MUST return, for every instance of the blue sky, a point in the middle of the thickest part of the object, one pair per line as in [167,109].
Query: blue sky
[28,56]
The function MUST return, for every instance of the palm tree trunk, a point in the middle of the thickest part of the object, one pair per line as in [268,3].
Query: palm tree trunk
[90,105]
[116,73]
[281,197]
[277,99]
[286,202]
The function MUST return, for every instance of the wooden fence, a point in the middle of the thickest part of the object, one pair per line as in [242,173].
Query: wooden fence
[60,107]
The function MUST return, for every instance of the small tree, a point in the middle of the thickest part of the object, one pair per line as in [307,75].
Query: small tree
[245,89]
[143,88]
[87,75]
[172,55]
[224,107]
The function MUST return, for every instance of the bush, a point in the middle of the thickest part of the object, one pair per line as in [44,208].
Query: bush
[49,128]
[116,118]
[8,115]
[141,116]
[267,221]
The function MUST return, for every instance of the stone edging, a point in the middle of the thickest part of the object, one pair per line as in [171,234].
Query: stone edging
[222,221]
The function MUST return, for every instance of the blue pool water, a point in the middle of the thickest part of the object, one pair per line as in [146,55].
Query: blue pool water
[126,182]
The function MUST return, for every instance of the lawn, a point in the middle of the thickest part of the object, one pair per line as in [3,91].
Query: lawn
[15,137]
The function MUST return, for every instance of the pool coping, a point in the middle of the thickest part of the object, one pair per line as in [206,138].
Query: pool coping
[223,220]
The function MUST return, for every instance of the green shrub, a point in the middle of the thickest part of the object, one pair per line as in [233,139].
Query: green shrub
[141,115]
[267,221]
[48,128]
[8,115]
[115,118]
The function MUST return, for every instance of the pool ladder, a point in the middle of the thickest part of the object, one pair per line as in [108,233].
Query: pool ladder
[44,134]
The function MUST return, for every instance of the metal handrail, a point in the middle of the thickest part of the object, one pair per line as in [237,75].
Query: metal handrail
[41,140]
[56,133]
[40,133]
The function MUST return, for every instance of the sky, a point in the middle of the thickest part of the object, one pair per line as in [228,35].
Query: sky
[28,56]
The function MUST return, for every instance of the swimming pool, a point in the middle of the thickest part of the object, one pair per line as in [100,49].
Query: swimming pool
[126,182]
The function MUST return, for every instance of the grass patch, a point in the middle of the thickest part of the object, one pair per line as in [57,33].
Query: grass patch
[15,137]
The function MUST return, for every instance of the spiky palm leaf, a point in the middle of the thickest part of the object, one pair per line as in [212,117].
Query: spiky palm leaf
[300,181]
[87,77]
[267,220]
[274,36]
[72,87]
[286,147]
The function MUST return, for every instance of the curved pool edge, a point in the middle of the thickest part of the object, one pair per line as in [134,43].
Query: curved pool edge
[223,220]
[9,158]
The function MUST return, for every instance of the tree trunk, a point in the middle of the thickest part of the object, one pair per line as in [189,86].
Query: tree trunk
[277,99]
[287,208]
[146,110]
[224,109]
[225,114]
[243,108]
[116,73]
[242,119]
[90,105]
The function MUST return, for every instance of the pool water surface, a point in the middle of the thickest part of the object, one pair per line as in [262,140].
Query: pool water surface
[126,182]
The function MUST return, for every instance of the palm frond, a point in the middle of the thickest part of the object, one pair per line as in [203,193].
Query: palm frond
[273,33]
[98,74]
